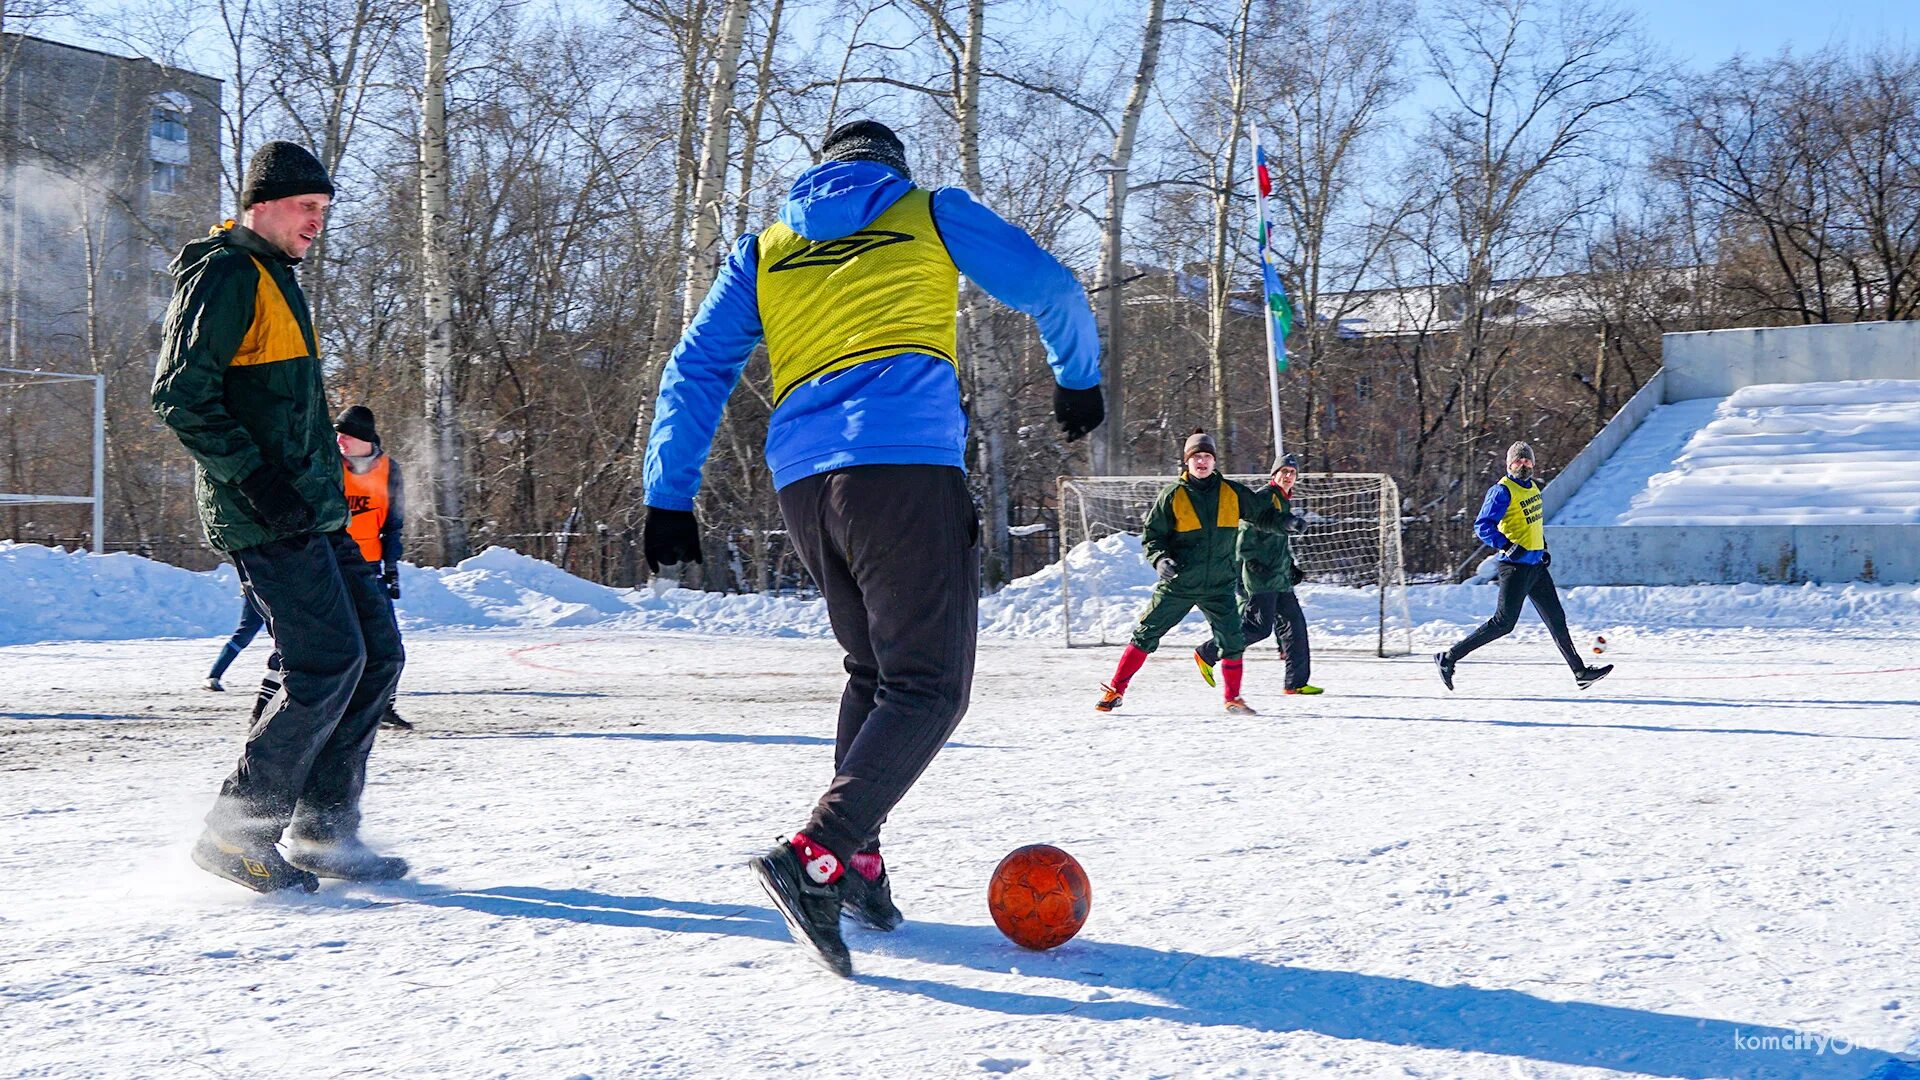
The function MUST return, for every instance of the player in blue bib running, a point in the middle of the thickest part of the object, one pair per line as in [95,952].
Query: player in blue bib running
[1512,523]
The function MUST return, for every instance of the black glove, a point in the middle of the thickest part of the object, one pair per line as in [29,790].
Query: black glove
[1258,569]
[1511,552]
[390,577]
[1167,568]
[1546,558]
[277,502]
[1079,411]
[1296,573]
[670,536]
[1296,524]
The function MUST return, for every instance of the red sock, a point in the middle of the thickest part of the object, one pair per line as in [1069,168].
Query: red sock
[822,865]
[1230,678]
[868,865]
[1130,660]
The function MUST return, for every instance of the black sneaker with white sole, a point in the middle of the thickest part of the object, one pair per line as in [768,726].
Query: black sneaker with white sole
[1587,676]
[347,859]
[870,902]
[811,908]
[1445,664]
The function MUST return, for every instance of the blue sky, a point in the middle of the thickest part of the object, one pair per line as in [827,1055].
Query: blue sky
[1702,33]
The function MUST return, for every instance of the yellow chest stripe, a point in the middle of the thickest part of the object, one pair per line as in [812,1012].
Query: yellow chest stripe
[275,334]
[1187,519]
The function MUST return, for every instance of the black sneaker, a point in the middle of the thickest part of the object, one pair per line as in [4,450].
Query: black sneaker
[1587,676]
[870,902]
[392,722]
[1445,664]
[257,866]
[811,908]
[348,860]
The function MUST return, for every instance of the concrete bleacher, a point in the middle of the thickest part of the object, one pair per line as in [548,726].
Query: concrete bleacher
[1718,364]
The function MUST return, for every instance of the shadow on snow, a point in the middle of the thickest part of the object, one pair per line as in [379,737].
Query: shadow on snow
[1229,991]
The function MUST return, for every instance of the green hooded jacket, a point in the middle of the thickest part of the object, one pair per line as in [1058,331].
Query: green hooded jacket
[1189,524]
[1266,558]
[240,384]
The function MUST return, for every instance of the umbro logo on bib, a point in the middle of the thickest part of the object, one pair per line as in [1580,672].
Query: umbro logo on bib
[835,252]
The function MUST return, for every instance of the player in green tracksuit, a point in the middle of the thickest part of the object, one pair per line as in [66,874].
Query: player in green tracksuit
[1267,577]
[1190,539]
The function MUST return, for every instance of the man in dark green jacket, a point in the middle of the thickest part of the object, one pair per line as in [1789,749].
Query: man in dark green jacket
[1190,538]
[1268,574]
[240,383]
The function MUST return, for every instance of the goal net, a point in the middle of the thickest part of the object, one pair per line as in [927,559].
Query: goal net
[1352,541]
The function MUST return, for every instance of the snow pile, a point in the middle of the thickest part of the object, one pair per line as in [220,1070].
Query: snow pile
[56,595]
[1831,453]
[1110,584]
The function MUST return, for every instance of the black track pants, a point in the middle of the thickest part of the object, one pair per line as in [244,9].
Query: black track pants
[895,551]
[333,628]
[1262,615]
[1520,583]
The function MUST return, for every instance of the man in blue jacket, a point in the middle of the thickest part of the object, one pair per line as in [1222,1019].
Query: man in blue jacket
[1512,523]
[855,291]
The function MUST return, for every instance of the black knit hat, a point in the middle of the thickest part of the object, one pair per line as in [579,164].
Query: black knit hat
[866,140]
[357,421]
[280,170]
[1291,461]
[1198,443]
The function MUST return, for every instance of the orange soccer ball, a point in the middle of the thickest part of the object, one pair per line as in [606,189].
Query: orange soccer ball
[1039,896]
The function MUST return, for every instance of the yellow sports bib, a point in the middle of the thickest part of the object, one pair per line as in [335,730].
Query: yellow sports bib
[890,288]
[1522,522]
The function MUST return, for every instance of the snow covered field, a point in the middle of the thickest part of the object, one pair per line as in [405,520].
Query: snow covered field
[1836,453]
[1704,859]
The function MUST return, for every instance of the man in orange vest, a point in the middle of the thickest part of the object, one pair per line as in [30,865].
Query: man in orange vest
[377,503]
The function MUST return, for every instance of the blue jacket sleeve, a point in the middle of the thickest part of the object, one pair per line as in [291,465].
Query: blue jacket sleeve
[1002,259]
[699,377]
[1487,525]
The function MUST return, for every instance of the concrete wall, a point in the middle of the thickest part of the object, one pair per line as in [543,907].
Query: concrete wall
[1715,363]
[1717,554]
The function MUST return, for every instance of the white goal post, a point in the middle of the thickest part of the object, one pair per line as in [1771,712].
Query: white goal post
[18,379]
[1352,539]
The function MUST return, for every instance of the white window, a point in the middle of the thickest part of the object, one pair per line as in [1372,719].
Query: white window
[168,124]
[167,178]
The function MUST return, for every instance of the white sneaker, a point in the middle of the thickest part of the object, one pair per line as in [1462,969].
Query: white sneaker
[214,684]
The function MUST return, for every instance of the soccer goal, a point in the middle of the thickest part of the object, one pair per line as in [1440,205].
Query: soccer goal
[40,430]
[1352,540]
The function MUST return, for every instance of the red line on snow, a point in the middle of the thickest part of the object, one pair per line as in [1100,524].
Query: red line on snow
[518,656]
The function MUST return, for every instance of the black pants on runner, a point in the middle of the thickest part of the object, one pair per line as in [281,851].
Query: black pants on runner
[895,551]
[305,760]
[1519,583]
[1264,613]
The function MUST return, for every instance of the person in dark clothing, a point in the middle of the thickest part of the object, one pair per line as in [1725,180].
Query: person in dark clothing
[854,291]
[1191,538]
[377,501]
[1512,523]
[240,383]
[1268,574]
[250,623]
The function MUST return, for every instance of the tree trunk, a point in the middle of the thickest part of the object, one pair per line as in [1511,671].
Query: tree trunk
[1111,451]
[444,470]
[711,184]
[1219,287]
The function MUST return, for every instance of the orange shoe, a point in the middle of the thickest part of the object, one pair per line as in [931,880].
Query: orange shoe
[1239,707]
[1109,699]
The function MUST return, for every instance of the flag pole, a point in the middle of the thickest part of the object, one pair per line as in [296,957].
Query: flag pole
[1266,311]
